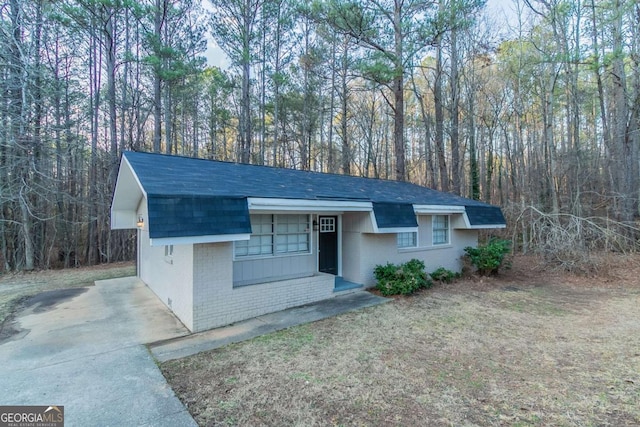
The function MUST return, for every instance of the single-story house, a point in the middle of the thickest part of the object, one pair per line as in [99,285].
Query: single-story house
[220,242]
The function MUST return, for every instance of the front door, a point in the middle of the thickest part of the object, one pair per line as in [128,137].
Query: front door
[328,244]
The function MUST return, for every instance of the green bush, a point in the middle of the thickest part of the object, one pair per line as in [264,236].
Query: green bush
[490,257]
[403,279]
[443,275]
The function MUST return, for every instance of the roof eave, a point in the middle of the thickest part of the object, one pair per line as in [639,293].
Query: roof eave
[469,226]
[304,205]
[126,197]
[438,209]
[190,240]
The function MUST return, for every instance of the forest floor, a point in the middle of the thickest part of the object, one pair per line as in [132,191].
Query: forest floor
[15,288]
[530,347]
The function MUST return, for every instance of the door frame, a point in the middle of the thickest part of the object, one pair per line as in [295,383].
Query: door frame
[339,242]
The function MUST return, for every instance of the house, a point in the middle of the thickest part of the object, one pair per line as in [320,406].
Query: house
[221,242]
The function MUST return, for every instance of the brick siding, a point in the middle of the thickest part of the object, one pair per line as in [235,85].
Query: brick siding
[217,303]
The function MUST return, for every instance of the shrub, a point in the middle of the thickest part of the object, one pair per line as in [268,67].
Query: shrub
[443,275]
[403,279]
[490,257]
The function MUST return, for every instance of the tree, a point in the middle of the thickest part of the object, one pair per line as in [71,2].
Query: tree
[235,26]
[394,32]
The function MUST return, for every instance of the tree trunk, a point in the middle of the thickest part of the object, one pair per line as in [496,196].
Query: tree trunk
[245,122]
[455,112]
[439,111]
[398,93]
[346,150]
[620,111]
[157,79]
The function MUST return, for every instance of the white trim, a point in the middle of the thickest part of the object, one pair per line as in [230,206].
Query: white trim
[397,230]
[198,239]
[135,175]
[487,227]
[329,226]
[377,230]
[337,206]
[448,242]
[339,251]
[424,248]
[438,209]
[417,245]
[316,242]
[274,233]
[338,243]
[123,214]
[468,225]
[374,223]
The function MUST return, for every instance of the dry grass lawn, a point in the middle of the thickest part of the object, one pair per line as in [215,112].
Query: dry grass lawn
[528,348]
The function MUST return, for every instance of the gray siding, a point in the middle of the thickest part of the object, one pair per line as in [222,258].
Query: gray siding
[267,269]
[381,248]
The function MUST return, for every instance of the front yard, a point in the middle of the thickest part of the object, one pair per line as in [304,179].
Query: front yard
[528,348]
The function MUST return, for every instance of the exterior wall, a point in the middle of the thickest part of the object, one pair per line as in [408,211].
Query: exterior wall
[262,269]
[382,248]
[353,225]
[357,222]
[170,278]
[266,269]
[197,281]
[218,303]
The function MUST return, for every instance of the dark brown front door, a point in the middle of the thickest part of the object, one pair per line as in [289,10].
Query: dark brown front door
[328,244]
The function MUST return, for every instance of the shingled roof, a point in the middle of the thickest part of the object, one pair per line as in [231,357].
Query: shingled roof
[202,190]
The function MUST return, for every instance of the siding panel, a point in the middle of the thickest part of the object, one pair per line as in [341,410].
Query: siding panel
[251,271]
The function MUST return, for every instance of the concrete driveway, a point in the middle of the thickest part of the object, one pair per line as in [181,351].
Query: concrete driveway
[84,349]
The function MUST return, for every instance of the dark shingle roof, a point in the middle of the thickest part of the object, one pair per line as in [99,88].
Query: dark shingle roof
[394,215]
[484,215]
[191,182]
[182,216]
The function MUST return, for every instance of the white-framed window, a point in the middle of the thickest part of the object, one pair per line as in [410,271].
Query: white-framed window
[261,240]
[168,254]
[327,225]
[407,239]
[168,250]
[276,235]
[292,234]
[440,229]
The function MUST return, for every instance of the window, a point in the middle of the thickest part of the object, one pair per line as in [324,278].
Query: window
[327,225]
[168,254]
[407,240]
[292,234]
[168,250]
[276,235]
[440,229]
[261,240]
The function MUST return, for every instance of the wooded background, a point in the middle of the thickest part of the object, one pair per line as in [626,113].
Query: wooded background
[539,115]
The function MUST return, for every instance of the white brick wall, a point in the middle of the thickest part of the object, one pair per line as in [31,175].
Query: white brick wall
[169,278]
[218,303]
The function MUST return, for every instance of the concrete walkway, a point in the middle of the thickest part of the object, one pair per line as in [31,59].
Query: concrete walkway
[186,346]
[84,349]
